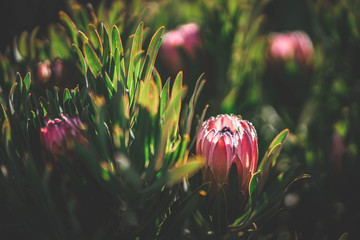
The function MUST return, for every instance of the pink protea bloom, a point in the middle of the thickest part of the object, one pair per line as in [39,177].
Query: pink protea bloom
[172,41]
[192,38]
[186,38]
[44,71]
[58,133]
[224,140]
[291,46]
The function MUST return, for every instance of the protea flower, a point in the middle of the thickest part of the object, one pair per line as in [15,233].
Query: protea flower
[44,71]
[295,46]
[185,38]
[224,140]
[58,134]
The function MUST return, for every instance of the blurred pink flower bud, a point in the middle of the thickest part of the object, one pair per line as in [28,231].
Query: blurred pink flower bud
[57,69]
[291,46]
[224,140]
[44,71]
[185,38]
[192,39]
[58,133]
[172,41]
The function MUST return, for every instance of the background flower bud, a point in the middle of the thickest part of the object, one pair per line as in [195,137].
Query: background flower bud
[43,71]
[224,140]
[58,133]
[290,46]
[186,38]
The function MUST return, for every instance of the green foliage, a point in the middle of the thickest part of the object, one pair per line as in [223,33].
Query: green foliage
[137,175]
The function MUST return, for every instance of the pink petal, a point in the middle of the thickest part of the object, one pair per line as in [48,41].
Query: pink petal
[219,163]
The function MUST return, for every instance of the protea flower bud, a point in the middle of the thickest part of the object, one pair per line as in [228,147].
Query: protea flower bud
[224,140]
[192,38]
[59,133]
[295,46]
[186,38]
[169,52]
[44,71]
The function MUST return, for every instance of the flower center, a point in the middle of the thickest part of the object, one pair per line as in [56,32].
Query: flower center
[225,129]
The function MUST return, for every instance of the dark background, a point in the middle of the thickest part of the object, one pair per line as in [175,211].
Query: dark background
[20,15]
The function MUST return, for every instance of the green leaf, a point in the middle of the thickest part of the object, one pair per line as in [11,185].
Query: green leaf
[92,59]
[164,97]
[94,37]
[81,59]
[152,53]
[59,47]
[115,40]
[279,138]
[27,81]
[23,46]
[136,48]
[117,67]
[70,25]
[149,97]
[83,37]
[192,104]
[109,84]
[177,87]
[14,99]
[106,45]
[253,185]
[187,169]
[67,95]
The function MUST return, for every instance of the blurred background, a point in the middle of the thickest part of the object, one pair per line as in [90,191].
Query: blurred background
[309,83]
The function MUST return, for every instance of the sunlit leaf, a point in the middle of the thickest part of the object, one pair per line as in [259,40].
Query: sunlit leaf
[70,25]
[92,59]
[94,37]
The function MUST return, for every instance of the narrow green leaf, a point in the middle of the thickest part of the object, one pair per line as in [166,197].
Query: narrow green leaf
[117,67]
[109,83]
[81,59]
[83,37]
[152,53]
[192,104]
[23,46]
[136,48]
[27,81]
[14,99]
[115,40]
[148,97]
[164,97]
[67,95]
[92,59]
[177,87]
[106,45]
[188,169]
[279,138]
[253,184]
[70,25]
[94,37]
